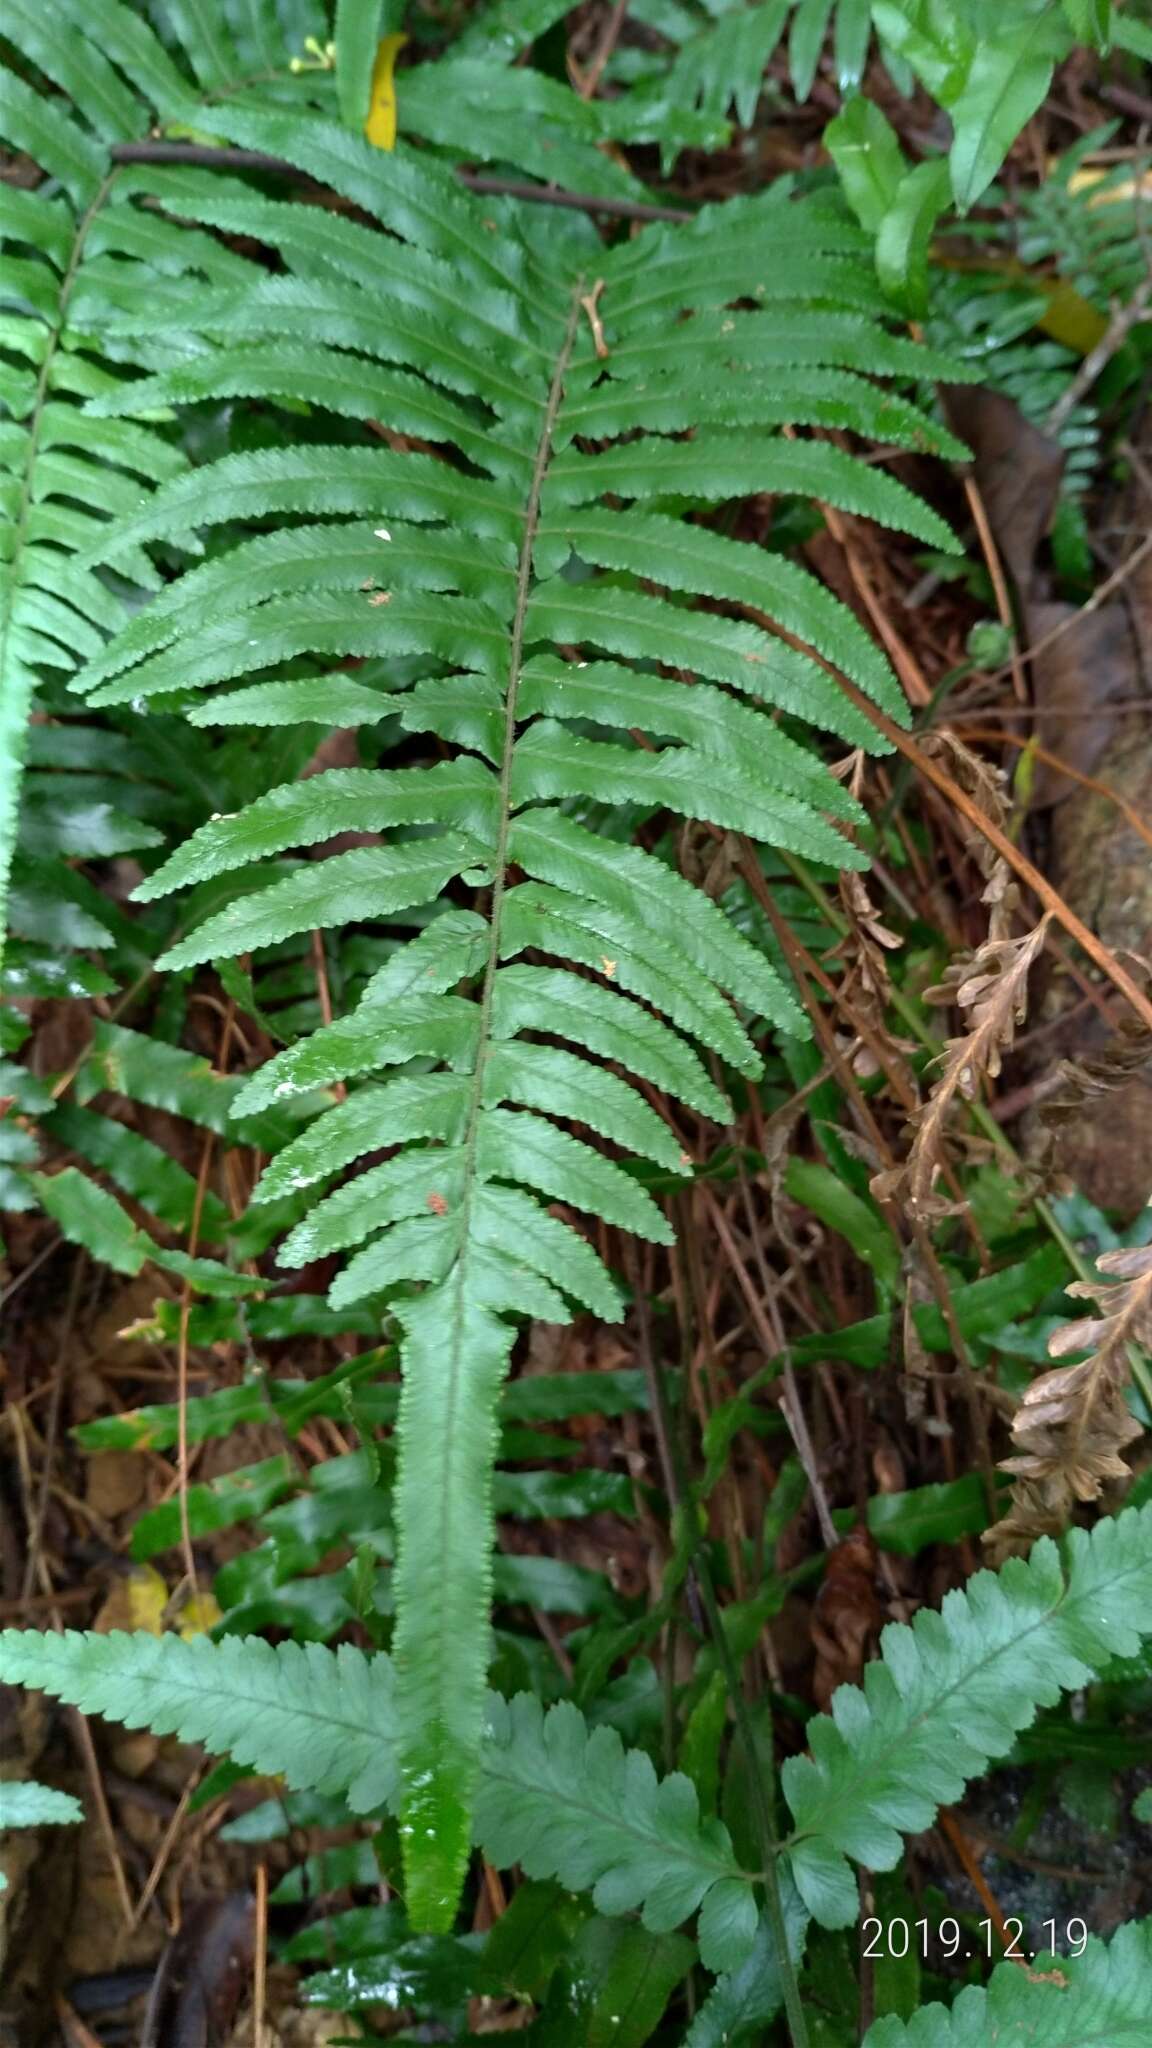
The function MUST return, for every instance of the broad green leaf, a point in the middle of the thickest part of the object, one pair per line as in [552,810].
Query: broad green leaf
[941,1512]
[357,32]
[866,152]
[1009,76]
[216,1504]
[622,1980]
[743,2001]
[817,1188]
[905,232]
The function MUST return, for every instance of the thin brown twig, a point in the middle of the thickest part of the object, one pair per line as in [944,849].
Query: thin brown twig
[1119,327]
[210,157]
[976,1879]
[1099,596]
[1128,811]
[999,583]
[608,41]
[1102,956]
[790,1406]
[52,1431]
[82,1735]
[182,1446]
[260,1962]
[168,1841]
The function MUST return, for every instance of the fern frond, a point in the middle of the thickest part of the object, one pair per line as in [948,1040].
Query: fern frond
[990,988]
[25,1804]
[556,1797]
[323,1720]
[480,634]
[1073,1422]
[568,1802]
[1105,1994]
[950,1693]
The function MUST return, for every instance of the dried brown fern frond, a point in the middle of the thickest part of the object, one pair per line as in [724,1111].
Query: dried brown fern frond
[988,788]
[1073,1422]
[990,989]
[866,990]
[1083,1082]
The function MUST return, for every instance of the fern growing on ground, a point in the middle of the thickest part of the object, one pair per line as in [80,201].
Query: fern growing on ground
[560,392]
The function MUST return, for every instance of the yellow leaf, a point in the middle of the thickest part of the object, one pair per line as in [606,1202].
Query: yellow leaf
[1127,188]
[147,1599]
[1069,318]
[198,1615]
[380,127]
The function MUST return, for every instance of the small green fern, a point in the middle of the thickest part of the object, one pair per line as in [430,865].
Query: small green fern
[25,1804]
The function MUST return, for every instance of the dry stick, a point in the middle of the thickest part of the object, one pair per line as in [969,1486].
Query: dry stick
[916,686]
[182,1367]
[608,42]
[999,583]
[75,2033]
[208,157]
[36,1530]
[1098,597]
[1097,360]
[160,1860]
[791,1409]
[260,1967]
[1127,811]
[791,1405]
[1099,954]
[83,1736]
[979,1885]
[802,965]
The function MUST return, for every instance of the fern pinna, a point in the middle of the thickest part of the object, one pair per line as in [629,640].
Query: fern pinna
[518,586]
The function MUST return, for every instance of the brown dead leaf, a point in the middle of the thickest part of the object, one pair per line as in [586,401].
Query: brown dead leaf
[847,1617]
[990,989]
[1017,471]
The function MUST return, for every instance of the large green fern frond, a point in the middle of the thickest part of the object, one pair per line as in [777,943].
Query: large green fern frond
[525,588]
